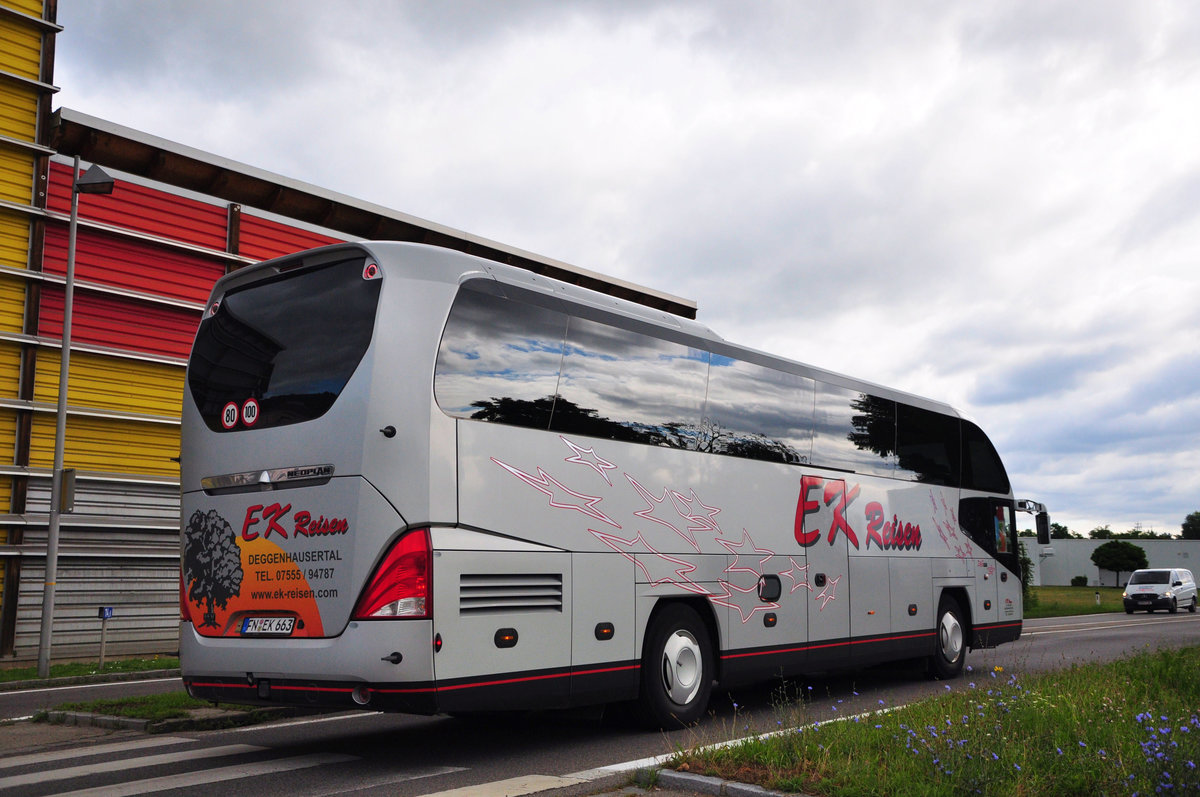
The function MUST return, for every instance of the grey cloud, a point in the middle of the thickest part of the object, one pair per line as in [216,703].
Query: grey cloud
[941,189]
[1172,206]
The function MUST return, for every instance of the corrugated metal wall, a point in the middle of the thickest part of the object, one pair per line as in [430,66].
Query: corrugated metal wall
[146,258]
[26,32]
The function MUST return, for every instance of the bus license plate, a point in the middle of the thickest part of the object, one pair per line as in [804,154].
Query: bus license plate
[280,626]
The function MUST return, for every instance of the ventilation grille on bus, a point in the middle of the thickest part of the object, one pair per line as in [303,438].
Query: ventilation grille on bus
[482,593]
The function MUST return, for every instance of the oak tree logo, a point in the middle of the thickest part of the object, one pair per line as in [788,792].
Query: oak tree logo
[212,563]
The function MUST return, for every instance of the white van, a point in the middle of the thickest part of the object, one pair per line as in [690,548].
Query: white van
[1160,588]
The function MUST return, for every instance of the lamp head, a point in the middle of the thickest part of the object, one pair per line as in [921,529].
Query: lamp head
[94,181]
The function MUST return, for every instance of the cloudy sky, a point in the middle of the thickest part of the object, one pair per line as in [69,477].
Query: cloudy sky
[996,204]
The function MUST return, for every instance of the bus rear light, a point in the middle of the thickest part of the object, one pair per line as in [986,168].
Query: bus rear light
[401,586]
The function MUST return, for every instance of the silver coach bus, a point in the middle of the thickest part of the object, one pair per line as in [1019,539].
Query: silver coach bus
[414,480]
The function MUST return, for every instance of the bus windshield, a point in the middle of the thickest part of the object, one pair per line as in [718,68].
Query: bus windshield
[289,345]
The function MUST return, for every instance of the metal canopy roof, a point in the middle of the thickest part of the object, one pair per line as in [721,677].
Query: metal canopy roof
[99,141]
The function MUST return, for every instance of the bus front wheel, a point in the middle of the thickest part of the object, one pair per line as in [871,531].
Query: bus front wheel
[677,669]
[951,652]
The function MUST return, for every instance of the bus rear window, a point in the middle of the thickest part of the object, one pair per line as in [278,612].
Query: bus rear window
[280,351]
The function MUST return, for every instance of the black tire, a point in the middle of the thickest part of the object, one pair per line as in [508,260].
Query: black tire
[950,645]
[1192,608]
[677,669]
[1129,611]
[1174,606]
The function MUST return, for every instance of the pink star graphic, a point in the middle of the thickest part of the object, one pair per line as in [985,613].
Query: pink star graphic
[797,575]
[682,572]
[702,522]
[735,549]
[589,457]
[829,593]
[545,483]
[652,502]
[726,598]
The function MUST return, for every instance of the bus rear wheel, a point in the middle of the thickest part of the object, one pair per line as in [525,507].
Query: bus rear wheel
[951,649]
[677,669]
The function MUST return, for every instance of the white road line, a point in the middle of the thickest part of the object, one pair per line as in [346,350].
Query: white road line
[85,751]
[513,787]
[205,776]
[387,780]
[1075,629]
[83,770]
[310,721]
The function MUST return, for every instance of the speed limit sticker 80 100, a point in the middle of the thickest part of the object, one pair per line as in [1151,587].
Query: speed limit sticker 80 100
[230,414]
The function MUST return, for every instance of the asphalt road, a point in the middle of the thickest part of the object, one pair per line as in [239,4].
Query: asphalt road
[376,754]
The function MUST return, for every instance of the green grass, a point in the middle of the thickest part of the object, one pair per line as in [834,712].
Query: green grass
[1128,727]
[172,705]
[1068,601]
[75,669]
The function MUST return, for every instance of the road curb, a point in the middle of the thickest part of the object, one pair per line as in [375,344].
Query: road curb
[705,784]
[98,678]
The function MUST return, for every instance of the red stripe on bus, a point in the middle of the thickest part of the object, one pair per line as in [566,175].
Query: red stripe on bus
[527,678]
[802,648]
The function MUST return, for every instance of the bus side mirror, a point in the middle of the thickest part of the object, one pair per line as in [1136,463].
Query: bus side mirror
[1043,528]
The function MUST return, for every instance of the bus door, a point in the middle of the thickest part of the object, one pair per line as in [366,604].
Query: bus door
[822,529]
[989,521]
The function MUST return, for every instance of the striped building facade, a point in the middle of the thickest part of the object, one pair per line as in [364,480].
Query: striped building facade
[146,258]
[27,36]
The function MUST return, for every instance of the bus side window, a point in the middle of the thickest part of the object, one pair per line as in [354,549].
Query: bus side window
[854,431]
[989,523]
[927,446]
[758,413]
[624,385]
[499,360]
[981,466]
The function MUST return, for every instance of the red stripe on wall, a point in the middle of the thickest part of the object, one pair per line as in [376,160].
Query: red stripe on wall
[133,265]
[136,207]
[120,323]
[263,239]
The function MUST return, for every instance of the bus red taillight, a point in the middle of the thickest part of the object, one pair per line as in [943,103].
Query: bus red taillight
[401,586]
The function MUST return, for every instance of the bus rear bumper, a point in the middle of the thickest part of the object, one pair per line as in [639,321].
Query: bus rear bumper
[381,666]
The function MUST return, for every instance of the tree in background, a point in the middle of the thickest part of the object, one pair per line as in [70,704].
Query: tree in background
[1119,556]
[1060,532]
[1101,533]
[1191,526]
[1028,598]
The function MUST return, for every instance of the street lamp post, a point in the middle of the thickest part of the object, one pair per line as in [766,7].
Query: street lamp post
[93,181]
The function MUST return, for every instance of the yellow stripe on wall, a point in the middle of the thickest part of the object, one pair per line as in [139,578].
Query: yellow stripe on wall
[16,175]
[8,433]
[20,48]
[108,445]
[112,383]
[12,303]
[14,239]
[31,7]
[10,374]
[18,111]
